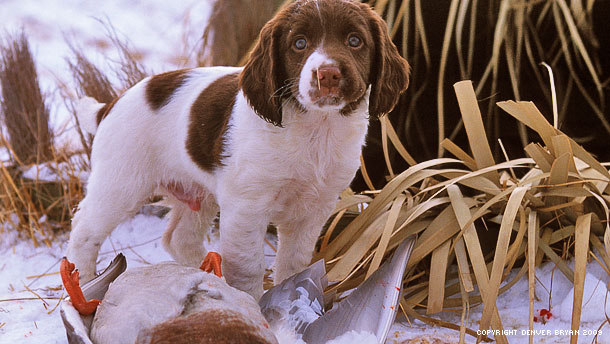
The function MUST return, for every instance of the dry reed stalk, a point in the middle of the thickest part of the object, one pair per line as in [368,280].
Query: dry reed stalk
[39,208]
[24,112]
[447,200]
[31,206]
[131,70]
[90,80]
[35,207]
[500,46]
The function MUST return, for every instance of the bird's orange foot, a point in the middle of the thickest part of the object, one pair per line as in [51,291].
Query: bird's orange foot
[212,263]
[69,277]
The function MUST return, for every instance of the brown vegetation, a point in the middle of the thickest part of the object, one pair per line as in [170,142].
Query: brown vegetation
[24,112]
[33,206]
[489,217]
[90,80]
[232,30]
[500,46]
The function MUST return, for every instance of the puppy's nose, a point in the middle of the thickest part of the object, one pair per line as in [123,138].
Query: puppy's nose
[329,77]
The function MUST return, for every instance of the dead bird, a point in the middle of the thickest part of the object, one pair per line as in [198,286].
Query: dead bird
[171,303]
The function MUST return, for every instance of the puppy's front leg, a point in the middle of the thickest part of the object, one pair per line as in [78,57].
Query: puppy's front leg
[297,240]
[242,234]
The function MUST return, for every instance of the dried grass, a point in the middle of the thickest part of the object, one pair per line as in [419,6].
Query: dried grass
[40,209]
[560,190]
[500,45]
[31,206]
[130,69]
[90,80]
[24,112]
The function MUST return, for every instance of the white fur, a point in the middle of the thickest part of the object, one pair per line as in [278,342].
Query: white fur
[84,108]
[315,61]
[290,175]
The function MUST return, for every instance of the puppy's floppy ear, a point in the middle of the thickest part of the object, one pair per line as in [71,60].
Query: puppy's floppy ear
[262,75]
[389,70]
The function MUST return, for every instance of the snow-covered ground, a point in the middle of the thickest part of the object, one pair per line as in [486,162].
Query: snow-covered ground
[164,33]
[26,318]
[30,288]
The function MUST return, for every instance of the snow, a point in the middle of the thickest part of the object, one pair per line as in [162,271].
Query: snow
[594,299]
[24,318]
[166,34]
[554,292]
[27,320]
[54,171]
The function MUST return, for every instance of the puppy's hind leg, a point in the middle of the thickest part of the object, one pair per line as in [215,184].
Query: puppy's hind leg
[105,206]
[183,238]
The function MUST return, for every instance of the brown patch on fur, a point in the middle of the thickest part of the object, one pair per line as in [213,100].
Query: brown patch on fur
[390,71]
[263,74]
[105,110]
[208,123]
[161,87]
[214,326]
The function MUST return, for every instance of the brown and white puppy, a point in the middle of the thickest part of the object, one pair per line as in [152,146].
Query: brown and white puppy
[275,141]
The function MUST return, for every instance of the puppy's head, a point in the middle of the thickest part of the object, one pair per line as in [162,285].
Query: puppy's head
[323,55]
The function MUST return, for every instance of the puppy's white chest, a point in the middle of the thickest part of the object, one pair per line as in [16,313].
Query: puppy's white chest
[311,158]
[321,151]
[316,163]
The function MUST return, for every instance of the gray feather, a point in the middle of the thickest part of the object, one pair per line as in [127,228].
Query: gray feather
[97,287]
[371,307]
[275,301]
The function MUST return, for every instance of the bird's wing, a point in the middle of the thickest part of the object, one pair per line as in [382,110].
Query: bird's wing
[298,300]
[370,308]
[97,287]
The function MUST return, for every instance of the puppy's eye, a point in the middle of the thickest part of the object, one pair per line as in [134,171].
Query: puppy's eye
[354,41]
[300,43]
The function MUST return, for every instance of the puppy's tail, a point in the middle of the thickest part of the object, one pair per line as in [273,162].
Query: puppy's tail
[87,110]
